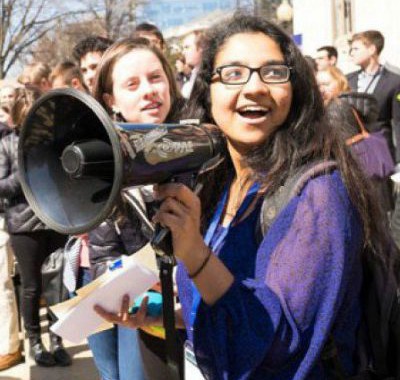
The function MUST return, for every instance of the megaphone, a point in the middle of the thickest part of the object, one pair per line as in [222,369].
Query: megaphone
[74,160]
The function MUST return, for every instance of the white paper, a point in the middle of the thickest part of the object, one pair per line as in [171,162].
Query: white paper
[191,369]
[395,177]
[79,320]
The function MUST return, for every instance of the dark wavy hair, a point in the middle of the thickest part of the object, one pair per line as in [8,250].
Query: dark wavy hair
[91,44]
[305,135]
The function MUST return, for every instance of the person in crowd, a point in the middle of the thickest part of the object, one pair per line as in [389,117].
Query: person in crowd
[36,74]
[10,345]
[151,33]
[67,75]
[326,56]
[354,113]
[87,53]
[8,93]
[10,348]
[372,152]
[331,82]
[265,310]
[115,351]
[134,84]
[192,49]
[182,71]
[30,239]
[375,79]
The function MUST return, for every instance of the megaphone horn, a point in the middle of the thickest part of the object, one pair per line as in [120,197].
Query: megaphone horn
[74,160]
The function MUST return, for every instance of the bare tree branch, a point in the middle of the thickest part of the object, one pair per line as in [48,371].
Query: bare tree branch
[41,29]
[115,15]
[23,23]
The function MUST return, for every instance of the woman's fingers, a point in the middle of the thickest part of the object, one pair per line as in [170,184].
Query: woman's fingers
[123,317]
[124,311]
[108,316]
[142,312]
[173,206]
[173,222]
[178,191]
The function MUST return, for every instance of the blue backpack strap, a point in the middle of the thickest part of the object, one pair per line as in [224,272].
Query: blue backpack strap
[273,204]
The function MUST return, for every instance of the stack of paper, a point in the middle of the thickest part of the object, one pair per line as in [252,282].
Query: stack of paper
[77,318]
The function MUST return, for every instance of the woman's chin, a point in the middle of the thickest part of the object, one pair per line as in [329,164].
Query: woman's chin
[155,118]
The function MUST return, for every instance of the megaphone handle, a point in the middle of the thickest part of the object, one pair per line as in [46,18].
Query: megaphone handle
[161,233]
[162,241]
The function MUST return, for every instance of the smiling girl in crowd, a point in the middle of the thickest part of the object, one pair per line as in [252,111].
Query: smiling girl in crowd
[135,84]
[265,310]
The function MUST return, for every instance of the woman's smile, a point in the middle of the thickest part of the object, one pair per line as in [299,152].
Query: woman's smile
[253,114]
[249,112]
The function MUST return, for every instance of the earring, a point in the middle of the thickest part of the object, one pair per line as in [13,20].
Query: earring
[117,115]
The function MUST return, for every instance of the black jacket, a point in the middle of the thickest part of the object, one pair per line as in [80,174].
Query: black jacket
[387,93]
[114,238]
[19,216]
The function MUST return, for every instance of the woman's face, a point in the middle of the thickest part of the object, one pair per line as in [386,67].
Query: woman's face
[249,113]
[141,90]
[328,86]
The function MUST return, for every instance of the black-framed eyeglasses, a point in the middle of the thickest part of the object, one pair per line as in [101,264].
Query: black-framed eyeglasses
[240,74]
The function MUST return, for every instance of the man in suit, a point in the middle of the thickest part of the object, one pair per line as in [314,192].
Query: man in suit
[373,78]
[192,51]
[326,56]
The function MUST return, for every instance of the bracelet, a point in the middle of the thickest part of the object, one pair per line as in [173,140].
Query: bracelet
[202,266]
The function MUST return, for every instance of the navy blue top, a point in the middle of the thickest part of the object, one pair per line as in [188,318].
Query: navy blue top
[290,292]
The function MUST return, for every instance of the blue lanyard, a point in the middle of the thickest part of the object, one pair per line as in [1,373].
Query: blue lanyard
[221,238]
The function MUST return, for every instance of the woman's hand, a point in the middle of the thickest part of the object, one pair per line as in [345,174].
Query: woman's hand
[180,211]
[124,318]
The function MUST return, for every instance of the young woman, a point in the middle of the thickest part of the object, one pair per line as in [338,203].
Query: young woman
[355,114]
[265,311]
[135,84]
[36,75]
[332,82]
[30,239]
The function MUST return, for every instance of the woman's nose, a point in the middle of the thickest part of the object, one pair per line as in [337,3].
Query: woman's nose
[148,87]
[255,84]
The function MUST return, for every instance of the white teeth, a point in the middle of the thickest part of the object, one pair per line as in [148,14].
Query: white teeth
[152,106]
[253,109]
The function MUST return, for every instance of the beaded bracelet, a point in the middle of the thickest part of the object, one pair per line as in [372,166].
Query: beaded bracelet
[202,266]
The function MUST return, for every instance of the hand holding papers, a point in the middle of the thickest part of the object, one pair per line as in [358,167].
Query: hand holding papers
[77,318]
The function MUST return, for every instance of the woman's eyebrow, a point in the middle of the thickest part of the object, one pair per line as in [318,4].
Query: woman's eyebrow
[133,77]
[156,71]
[241,63]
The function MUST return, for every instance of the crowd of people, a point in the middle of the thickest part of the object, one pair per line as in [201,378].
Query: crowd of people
[251,305]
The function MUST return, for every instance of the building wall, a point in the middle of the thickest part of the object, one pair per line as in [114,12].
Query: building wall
[313,20]
[167,14]
[317,21]
[383,15]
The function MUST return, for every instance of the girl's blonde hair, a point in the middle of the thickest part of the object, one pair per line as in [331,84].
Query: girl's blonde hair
[339,78]
[34,73]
